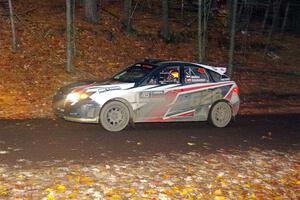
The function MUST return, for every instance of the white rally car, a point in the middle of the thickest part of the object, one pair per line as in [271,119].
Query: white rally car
[152,91]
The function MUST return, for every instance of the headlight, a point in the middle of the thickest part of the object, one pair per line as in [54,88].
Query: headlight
[76,96]
[73,97]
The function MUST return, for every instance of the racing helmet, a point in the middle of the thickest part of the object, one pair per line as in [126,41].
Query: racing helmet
[174,73]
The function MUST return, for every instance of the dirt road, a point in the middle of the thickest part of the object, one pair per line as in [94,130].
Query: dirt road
[42,140]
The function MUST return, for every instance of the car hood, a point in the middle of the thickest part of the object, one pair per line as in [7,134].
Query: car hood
[95,85]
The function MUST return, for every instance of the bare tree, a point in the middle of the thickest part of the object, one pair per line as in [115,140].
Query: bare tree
[232,38]
[200,32]
[70,4]
[244,14]
[91,11]
[204,9]
[266,16]
[127,16]
[165,21]
[13,28]
[276,10]
[206,13]
[285,17]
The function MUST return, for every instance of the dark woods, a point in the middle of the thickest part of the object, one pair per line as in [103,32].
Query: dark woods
[266,17]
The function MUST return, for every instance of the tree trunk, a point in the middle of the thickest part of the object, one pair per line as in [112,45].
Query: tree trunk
[70,34]
[13,28]
[232,39]
[249,16]
[241,9]
[266,16]
[277,17]
[276,9]
[182,9]
[203,16]
[165,21]
[206,13]
[204,34]
[200,32]
[91,11]
[285,17]
[127,16]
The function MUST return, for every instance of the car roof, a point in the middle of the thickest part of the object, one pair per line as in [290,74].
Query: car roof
[162,62]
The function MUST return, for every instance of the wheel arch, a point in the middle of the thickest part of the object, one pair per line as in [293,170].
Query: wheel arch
[125,102]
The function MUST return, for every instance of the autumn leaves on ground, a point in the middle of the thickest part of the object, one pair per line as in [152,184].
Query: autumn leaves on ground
[30,77]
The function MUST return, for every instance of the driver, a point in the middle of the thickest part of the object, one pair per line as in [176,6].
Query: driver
[173,76]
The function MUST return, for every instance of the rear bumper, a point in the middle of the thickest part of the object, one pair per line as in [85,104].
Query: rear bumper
[235,104]
[235,109]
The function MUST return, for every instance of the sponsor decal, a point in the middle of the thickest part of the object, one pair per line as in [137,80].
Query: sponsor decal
[108,89]
[151,94]
[175,100]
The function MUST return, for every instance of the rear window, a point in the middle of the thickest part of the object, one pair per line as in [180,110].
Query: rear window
[215,76]
[195,74]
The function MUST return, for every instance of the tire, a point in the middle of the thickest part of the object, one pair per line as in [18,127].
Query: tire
[220,114]
[114,116]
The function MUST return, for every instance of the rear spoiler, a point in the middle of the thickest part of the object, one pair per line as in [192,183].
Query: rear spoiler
[220,70]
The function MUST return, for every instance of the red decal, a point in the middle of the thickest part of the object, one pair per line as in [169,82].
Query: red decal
[171,96]
[81,88]
[148,66]
[201,70]
[196,88]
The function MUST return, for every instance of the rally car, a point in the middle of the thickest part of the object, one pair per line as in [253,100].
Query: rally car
[152,91]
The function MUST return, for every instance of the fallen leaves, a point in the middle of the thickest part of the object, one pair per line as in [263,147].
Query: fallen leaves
[4,152]
[60,188]
[254,174]
[4,191]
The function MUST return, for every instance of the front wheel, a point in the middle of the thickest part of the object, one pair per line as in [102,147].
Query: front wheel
[114,116]
[220,114]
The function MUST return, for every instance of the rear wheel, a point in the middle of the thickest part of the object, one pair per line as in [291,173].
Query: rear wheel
[114,116]
[220,114]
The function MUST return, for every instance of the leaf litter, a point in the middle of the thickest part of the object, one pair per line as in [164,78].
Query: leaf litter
[254,174]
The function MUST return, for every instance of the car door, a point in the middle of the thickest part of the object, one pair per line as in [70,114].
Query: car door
[155,102]
[194,96]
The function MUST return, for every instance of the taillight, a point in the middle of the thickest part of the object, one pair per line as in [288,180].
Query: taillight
[236,90]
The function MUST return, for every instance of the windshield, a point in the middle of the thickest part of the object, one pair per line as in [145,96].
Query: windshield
[134,73]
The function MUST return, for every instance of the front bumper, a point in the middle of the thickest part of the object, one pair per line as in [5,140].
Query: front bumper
[82,120]
[85,111]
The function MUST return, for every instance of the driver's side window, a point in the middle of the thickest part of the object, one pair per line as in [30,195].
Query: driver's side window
[152,80]
[169,75]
